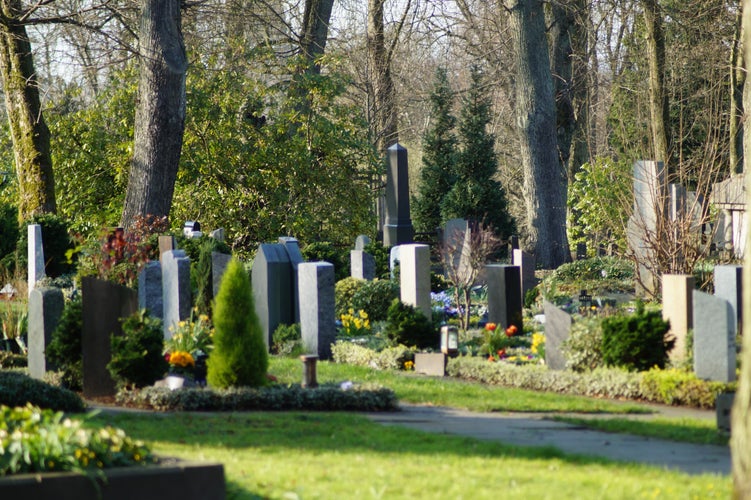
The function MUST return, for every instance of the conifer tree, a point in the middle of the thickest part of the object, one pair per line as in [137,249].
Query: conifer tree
[475,193]
[239,356]
[438,159]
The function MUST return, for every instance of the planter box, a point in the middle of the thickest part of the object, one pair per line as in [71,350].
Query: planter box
[430,363]
[170,481]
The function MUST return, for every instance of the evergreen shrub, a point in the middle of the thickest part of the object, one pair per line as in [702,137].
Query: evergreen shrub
[64,352]
[583,348]
[344,290]
[407,325]
[375,298]
[287,340]
[637,342]
[137,359]
[325,251]
[18,389]
[56,244]
[239,357]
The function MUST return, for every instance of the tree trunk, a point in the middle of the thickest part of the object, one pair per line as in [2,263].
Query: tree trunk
[160,112]
[582,88]
[381,85]
[29,132]
[544,179]
[562,71]
[315,30]
[737,83]
[658,98]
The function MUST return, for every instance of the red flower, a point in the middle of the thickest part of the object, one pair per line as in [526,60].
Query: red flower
[511,331]
[167,356]
[490,327]
[501,353]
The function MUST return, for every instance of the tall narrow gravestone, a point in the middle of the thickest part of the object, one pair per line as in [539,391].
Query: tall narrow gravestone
[219,263]
[728,285]
[714,338]
[557,331]
[150,289]
[35,255]
[504,295]
[316,289]
[397,228]
[45,309]
[526,263]
[677,307]
[176,294]
[271,278]
[292,247]
[414,276]
[362,265]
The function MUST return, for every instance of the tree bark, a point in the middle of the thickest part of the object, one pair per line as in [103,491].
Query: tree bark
[381,85]
[562,71]
[315,30]
[658,98]
[29,132]
[582,88]
[737,83]
[160,112]
[544,180]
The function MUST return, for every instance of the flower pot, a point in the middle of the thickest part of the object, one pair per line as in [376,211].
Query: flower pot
[176,382]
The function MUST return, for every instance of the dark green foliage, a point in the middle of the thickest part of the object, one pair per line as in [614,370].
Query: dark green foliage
[406,325]
[203,275]
[637,342]
[56,242]
[583,347]
[327,397]
[239,357]
[438,282]
[287,340]
[475,194]
[375,298]
[8,229]
[381,254]
[596,275]
[9,359]
[64,352]
[531,297]
[438,160]
[194,246]
[18,389]
[137,359]
[325,251]
[344,290]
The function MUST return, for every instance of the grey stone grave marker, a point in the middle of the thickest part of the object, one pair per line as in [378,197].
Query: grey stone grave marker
[526,263]
[45,309]
[317,325]
[218,234]
[394,260]
[271,278]
[35,255]
[397,228]
[219,262]
[104,304]
[557,330]
[414,277]
[362,265]
[292,247]
[728,285]
[504,295]
[361,242]
[176,293]
[714,338]
[150,292]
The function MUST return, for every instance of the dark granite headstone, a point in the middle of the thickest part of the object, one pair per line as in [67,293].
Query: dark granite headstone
[104,304]
[557,330]
[397,228]
[150,289]
[728,285]
[45,309]
[317,325]
[219,262]
[292,246]
[504,295]
[272,288]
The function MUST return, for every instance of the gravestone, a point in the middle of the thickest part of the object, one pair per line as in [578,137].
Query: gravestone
[557,331]
[271,278]
[192,229]
[45,309]
[35,255]
[218,234]
[166,243]
[361,242]
[176,292]
[714,338]
[397,228]
[456,244]
[526,263]
[362,265]
[504,295]
[219,263]
[292,248]
[104,304]
[677,307]
[729,198]
[393,260]
[728,285]
[317,324]
[414,277]
[150,292]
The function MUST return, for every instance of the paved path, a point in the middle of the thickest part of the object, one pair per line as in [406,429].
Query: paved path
[536,429]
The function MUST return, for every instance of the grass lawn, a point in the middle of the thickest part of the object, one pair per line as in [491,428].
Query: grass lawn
[327,455]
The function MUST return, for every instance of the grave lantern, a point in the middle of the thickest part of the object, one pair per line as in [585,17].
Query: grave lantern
[449,340]
[192,229]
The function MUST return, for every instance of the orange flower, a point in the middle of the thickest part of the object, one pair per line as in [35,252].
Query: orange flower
[501,353]
[491,358]
[511,331]
[490,327]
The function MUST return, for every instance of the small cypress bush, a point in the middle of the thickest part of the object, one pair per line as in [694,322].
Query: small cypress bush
[638,342]
[239,357]
[137,359]
[407,325]
[64,352]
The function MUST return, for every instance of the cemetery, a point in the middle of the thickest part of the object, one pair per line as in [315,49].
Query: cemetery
[172,322]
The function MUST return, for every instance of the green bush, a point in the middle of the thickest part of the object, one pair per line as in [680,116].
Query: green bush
[382,256]
[64,352]
[326,251]
[637,342]
[678,387]
[390,358]
[287,340]
[344,290]
[10,359]
[36,440]
[375,298]
[137,359]
[239,357]
[56,243]
[326,397]
[596,275]
[407,325]
[8,228]
[18,389]
[583,348]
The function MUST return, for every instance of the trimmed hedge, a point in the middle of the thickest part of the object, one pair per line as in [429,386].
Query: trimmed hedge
[670,387]
[327,397]
[18,389]
[391,358]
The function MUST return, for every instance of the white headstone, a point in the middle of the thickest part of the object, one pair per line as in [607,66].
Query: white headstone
[35,256]
[414,275]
